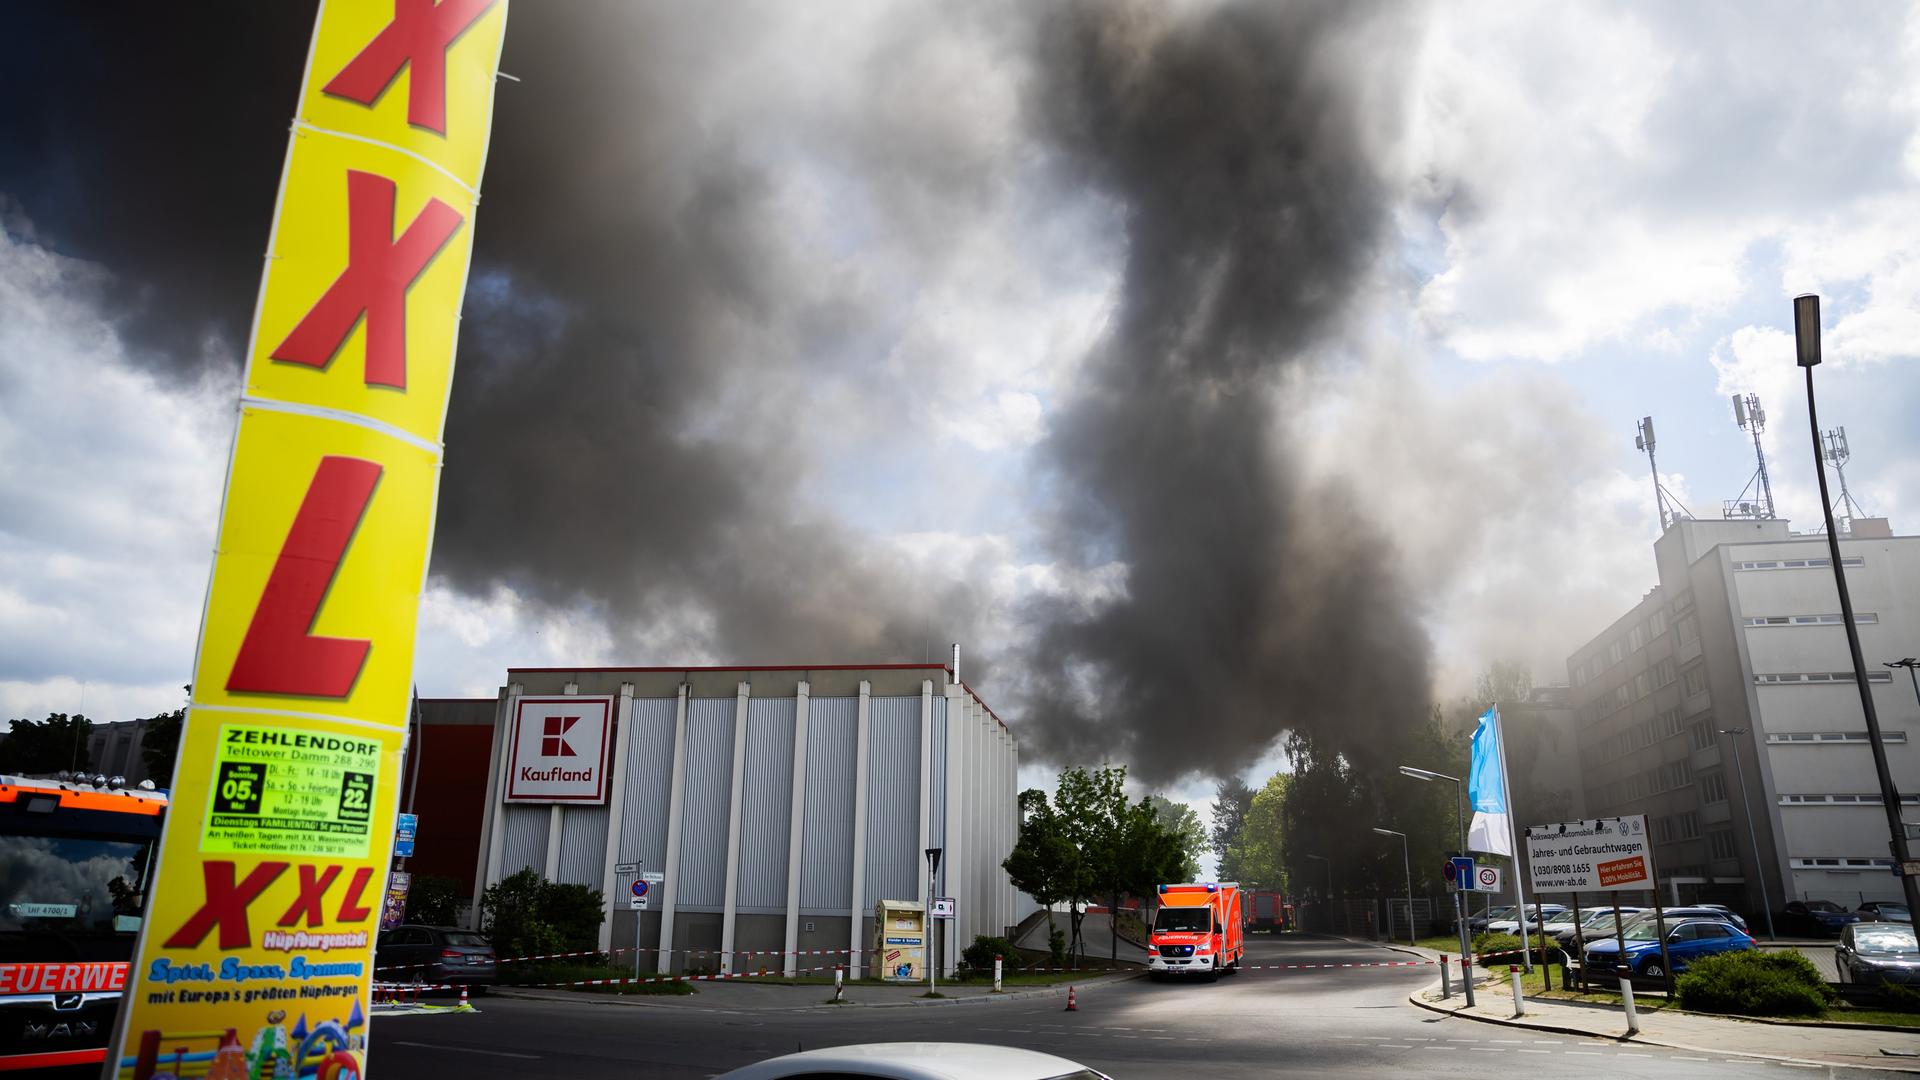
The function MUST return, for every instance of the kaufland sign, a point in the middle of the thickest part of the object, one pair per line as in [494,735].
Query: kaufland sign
[560,750]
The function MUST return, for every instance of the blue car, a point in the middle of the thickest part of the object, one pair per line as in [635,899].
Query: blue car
[1815,918]
[1687,940]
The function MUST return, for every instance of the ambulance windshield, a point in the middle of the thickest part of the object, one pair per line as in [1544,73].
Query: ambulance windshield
[1184,920]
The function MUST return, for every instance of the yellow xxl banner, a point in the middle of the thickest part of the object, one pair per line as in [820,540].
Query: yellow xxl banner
[256,955]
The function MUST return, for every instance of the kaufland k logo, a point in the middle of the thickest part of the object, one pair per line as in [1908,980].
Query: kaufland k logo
[553,737]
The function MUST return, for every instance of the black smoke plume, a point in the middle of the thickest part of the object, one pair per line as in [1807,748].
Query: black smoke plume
[1253,604]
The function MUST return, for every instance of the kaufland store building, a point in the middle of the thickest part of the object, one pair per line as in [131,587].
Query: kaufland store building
[768,809]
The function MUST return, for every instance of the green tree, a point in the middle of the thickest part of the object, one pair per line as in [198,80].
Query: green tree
[46,746]
[433,900]
[1043,861]
[160,746]
[1257,852]
[1180,822]
[1231,799]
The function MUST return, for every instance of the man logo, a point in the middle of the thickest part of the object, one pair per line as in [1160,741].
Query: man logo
[67,1002]
[553,742]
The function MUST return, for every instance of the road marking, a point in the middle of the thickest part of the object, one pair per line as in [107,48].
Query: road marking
[1683,1057]
[1546,1042]
[1449,1040]
[1524,1051]
[1586,1053]
[1396,1046]
[1513,1041]
[466,1049]
[1624,1053]
[1491,1049]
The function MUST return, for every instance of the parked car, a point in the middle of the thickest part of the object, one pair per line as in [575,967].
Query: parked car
[918,1061]
[1687,941]
[1731,915]
[413,953]
[1814,918]
[1675,915]
[1594,924]
[1877,952]
[1511,923]
[1478,923]
[1884,911]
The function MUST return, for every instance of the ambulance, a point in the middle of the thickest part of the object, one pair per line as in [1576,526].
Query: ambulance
[76,854]
[1197,931]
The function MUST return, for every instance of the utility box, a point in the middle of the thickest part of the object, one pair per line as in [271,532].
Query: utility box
[899,941]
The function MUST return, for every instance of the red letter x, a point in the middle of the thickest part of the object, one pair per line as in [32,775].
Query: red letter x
[379,272]
[313,889]
[226,905]
[418,36]
[279,655]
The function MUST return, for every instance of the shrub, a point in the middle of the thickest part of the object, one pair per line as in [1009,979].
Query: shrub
[1507,949]
[1755,983]
[1894,997]
[979,955]
[526,915]
[1057,947]
[433,900]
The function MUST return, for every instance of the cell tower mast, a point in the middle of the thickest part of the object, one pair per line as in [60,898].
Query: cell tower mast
[1643,441]
[1833,447]
[1751,418]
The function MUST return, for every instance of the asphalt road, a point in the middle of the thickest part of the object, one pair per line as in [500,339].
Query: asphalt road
[1350,1023]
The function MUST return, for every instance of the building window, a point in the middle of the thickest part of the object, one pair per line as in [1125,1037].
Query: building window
[1636,639]
[1642,685]
[1833,863]
[1841,800]
[1701,734]
[1688,629]
[1860,618]
[1663,673]
[1598,666]
[1580,675]
[1615,652]
[1798,564]
[1806,678]
[1720,843]
[1656,625]
[1687,824]
[1804,738]
[1669,723]
[1713,787]
[1694,679]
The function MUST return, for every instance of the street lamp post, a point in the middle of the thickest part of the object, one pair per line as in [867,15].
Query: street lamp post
[1806,333]
[1406,866]
[1746,803]
[1459,892]
[927,924]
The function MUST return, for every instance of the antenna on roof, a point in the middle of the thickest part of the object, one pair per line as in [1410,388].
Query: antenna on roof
[1833,447]
[1643,442]
[1748,414]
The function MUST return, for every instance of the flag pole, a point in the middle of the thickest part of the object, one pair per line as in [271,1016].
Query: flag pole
[1513,839]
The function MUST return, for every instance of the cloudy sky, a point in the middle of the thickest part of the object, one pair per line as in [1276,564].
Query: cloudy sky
[1261,366]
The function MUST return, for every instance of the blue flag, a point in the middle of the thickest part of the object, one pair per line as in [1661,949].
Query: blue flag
[1491,830]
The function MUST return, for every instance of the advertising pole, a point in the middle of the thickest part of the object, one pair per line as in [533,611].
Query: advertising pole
[255,952]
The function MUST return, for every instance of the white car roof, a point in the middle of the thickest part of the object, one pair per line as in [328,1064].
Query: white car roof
[914,1061]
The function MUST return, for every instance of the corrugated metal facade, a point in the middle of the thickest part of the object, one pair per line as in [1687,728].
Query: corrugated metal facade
[766,805]
[708,795]
[894,855]
[649,783]
[826,837]
[583,844]
[937,786]
[941,733]
[526,839]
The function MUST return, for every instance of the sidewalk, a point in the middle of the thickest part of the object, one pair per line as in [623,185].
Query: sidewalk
[747,995]
[1803,1043]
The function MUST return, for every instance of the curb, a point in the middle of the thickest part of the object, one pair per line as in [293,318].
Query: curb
[1883,1064]
[639,1002]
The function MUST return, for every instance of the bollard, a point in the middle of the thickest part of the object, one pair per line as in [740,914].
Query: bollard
[1446,978]
[1519,995]
[839,991]
[996,975]
[1626,998]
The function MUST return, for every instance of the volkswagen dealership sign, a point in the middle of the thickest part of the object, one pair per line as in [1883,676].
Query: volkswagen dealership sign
[1603,855]
[561,747]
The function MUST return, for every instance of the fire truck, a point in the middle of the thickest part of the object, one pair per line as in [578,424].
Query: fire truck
[1199,930]
[76,855]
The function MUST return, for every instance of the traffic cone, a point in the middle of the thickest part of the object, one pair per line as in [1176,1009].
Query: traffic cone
[463,995]
[1071,1007]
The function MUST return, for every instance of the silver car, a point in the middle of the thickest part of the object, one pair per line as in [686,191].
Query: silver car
[1872,953]
[919,1061]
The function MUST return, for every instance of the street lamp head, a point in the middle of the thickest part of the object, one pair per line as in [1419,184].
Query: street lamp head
[1417,774]
[1905,662]
[1733,731]
[1806,328]
[1389,832]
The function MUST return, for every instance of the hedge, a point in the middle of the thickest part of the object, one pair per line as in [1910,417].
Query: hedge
[1755,983]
